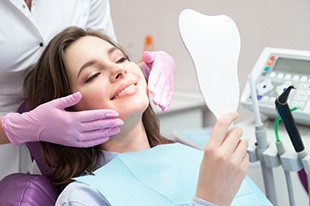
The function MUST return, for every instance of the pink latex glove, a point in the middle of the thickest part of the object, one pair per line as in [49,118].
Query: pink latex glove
[51,123]
[159,69]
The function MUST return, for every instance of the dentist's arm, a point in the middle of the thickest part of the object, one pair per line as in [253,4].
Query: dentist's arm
[50,122]
[159,69]
[224,163]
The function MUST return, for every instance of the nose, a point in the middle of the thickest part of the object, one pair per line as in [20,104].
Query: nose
[118,73]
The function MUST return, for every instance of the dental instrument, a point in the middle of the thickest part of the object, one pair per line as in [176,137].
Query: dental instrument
[291,128]
[281,151]
[262,145]
[289,122]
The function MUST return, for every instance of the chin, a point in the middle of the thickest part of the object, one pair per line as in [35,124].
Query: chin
[133,109]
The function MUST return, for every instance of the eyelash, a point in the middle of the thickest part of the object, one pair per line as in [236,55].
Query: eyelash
[121,60]
[92,77]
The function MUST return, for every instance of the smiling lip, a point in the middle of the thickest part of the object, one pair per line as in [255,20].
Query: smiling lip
[124,88]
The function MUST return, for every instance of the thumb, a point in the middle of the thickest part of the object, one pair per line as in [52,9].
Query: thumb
[148,57]
[68,101]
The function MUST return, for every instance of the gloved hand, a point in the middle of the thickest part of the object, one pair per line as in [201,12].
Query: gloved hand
[51,123]
[159,69]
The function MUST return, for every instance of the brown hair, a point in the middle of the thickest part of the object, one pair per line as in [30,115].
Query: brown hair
[48,80]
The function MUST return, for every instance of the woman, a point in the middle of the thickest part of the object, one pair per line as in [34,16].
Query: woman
[92,64]
[26,28]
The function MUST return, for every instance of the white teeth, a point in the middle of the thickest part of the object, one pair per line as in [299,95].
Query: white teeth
[125,90]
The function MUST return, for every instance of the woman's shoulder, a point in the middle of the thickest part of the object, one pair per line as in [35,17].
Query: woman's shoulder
[80,194]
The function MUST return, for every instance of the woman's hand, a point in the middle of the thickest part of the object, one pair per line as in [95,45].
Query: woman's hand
[159,69]
[224,163]
[50,122]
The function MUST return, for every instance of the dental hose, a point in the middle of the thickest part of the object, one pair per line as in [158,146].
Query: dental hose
[281,150]
[262,145]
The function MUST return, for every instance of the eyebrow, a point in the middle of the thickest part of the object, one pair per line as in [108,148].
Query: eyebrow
[92,62]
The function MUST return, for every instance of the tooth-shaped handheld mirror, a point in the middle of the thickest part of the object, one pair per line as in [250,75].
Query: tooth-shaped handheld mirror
[213,43]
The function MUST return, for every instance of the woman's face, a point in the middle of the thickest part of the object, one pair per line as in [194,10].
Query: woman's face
[106,79]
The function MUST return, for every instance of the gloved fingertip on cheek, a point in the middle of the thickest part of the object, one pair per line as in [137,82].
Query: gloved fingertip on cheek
[112,131]
[110,114]
[99,141]
[146,71]
[69,100]
[77,95]
[148,57]
[117,123]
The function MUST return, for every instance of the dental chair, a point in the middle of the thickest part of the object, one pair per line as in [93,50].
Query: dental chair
[37,190]
[20,189]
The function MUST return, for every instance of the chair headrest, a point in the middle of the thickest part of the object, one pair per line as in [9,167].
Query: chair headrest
[27,189]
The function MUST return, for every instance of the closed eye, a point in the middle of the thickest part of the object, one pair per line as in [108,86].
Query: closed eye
[121,60]
[92,77]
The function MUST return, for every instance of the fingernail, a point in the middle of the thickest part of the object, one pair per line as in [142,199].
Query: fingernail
[105,138]
[113,131]
[118,122]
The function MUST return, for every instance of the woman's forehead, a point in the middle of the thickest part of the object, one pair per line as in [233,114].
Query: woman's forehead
[89,42]
[87,47]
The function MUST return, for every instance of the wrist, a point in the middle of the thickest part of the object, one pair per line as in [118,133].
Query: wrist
[201,202]
[3,137]
[11,127]
[6,130]
[210,196]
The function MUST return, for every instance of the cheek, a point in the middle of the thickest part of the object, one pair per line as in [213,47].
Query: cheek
[92,99]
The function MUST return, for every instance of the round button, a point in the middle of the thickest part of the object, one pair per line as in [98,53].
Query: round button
[41,44]
[267,69]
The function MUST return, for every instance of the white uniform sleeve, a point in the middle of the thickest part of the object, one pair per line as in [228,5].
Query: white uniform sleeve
[79,194]
[100,18]
[200,202]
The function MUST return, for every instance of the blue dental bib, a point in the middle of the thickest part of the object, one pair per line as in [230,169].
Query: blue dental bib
[164,175]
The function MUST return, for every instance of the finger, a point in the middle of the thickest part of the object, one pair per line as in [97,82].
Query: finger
[232,140]
[243,166]
[220,129]
[92,143]
[68,101]
[158,91]
[98,134]
[93,115]
[148,57]
[155,77]
[242,147]
[240,152]
[146,71]
[240,172]
[100,125]
[164,100]
[167,101]
[245,163]
[153,80]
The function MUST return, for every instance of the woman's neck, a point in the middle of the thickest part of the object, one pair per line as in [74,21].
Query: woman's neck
[131,138]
